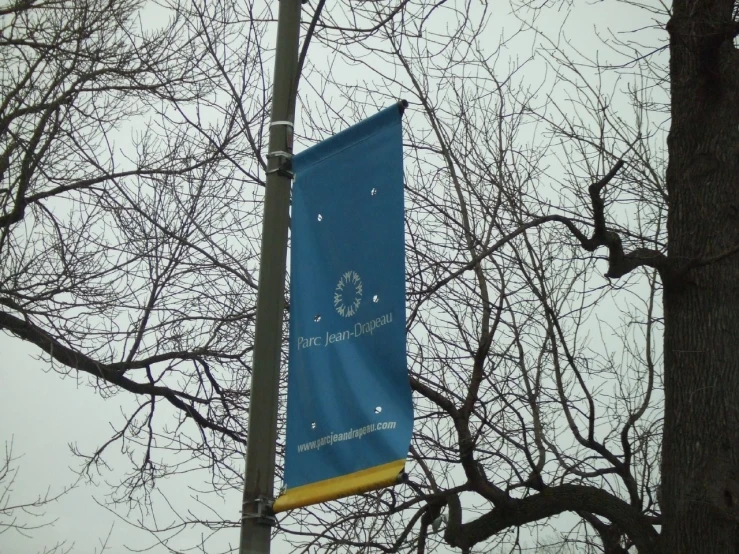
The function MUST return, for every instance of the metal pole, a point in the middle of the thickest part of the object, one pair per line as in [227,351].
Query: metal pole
[256,522]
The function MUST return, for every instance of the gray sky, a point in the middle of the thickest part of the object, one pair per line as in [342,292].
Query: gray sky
[42,413]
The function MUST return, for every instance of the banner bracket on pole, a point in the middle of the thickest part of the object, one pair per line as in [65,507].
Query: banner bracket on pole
[264,514]
[285,167]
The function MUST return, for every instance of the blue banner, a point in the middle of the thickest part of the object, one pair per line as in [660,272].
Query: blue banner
[349,407]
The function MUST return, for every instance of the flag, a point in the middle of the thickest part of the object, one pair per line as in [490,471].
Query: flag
[349,406]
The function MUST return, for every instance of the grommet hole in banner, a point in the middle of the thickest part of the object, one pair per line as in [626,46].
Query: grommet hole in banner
[375,299]
[373,192]
[313,425]
[317,318]
[320,217]
[378,409]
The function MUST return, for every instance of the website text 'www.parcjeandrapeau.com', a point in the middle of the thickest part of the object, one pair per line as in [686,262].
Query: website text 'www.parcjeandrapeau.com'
[351,434]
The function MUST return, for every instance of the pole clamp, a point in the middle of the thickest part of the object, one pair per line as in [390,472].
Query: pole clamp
[284,169]
[263,513]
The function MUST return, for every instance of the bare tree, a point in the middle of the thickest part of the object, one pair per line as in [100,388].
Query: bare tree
[130,183]
[571,273]
[508,429]
[27,515]
[539,384]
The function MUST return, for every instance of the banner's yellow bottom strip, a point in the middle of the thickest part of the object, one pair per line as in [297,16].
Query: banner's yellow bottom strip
[339,487]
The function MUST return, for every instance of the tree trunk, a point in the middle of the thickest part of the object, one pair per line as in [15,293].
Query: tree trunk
[700,459]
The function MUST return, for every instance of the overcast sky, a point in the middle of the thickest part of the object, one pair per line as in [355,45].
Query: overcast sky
[43,413]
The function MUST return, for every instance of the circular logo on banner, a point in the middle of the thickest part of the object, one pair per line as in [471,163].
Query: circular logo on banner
[348,294]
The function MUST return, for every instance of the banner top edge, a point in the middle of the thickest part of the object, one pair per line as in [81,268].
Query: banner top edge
[350,136]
